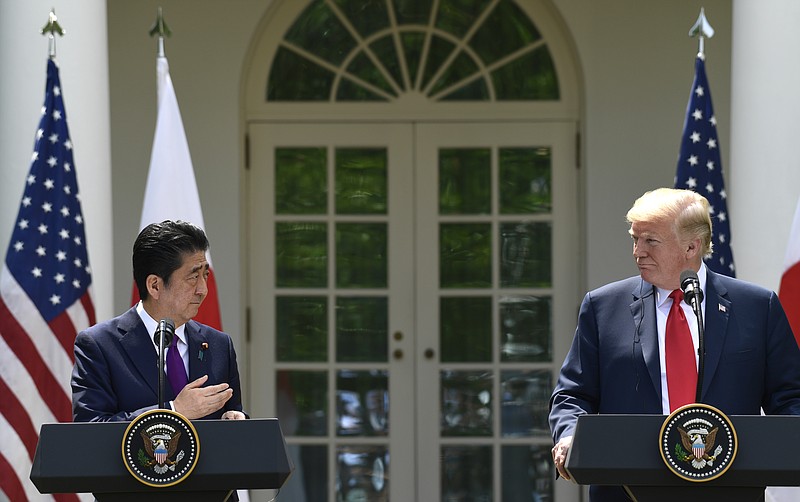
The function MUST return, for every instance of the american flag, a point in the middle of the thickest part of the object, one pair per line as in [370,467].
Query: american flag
[45,299]
[700,168]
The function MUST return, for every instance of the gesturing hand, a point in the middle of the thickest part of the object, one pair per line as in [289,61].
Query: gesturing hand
[195,401]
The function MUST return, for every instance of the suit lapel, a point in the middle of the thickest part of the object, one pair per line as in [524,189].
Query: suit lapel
[136,343]
[718,309]
[643,310]
[198,350]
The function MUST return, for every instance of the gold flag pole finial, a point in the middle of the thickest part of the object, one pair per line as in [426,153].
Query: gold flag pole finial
[161,29]
[701,29]
[52,28]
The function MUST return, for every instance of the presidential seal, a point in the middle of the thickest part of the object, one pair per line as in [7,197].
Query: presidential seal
[160,448]
[698,442]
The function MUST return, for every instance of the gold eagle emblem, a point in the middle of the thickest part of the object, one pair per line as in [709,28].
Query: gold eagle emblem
[160,451]
[699,443]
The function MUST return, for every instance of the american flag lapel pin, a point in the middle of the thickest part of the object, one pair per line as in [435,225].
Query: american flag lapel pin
[203,349]
[722,308]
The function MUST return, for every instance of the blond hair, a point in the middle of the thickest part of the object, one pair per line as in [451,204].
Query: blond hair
[688,211]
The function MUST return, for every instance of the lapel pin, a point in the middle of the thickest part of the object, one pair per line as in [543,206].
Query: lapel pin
[722,308]
[202,353]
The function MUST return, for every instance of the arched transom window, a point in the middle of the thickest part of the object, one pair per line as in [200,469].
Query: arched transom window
[380,50]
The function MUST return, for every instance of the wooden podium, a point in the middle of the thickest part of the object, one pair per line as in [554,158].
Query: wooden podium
[234,454]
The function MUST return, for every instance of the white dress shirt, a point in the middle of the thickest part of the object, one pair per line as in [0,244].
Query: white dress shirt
[663,304]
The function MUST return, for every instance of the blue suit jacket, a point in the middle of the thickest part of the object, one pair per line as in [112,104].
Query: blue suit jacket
[752,360]
[115,376]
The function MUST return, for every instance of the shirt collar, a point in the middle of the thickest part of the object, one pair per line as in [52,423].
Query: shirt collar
[663,294]
[151,325]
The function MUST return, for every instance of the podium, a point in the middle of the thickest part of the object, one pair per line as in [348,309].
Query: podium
[624,450]
[234,454]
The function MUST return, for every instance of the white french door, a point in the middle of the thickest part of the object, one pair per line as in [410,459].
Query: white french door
[411,288]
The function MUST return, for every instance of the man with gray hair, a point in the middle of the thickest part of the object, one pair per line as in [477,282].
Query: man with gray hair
[635,349]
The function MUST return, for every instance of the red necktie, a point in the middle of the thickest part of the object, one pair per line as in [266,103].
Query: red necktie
[681,366]
[176,371]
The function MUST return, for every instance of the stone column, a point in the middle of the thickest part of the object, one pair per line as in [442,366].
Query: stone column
[764,169]
[82,56]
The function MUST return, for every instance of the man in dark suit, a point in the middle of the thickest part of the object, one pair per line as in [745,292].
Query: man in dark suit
[115,376]
[617,360]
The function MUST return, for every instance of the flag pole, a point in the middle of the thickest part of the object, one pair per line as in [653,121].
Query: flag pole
[701,29]
[161,29]
[52,28]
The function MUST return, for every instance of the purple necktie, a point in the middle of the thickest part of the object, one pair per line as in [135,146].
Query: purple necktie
[176,372]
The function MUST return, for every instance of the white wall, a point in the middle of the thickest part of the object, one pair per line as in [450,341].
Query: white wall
[764,134]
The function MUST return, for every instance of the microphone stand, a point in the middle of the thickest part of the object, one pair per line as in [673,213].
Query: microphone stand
[162,332]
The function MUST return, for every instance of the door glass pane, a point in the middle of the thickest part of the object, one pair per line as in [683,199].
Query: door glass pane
[309,481]
[362,403]
[386,52]
[467,473]
[367,17]
[412,43]
[466,329]
[350,91]
[525,180]
[361,180]
[302,328]
[532,76]
[295,78]
[302,398]
[465,181]
[361,255]
[465,255]
[526,257]
[525,328]
[364,68]
[466,403]
[301,185]
[362,473]
[459,71]
[524,407]
[301,255]
[362,329]
[527,473]
[516,27]
[476,90]
[320,31]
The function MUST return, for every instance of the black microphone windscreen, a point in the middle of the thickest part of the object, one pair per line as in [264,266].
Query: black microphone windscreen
[688,275]
[169,324]
[167,327]
[690,285]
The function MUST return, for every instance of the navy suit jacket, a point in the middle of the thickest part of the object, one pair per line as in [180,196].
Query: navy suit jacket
[752,359]
[115,376]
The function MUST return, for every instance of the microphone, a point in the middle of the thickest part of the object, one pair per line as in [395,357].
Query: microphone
[167,328]
[690,285]
[163,337]
[693,295]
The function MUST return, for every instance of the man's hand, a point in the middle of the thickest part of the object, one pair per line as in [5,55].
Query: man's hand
[233,415]
[560,451]
[195,401]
